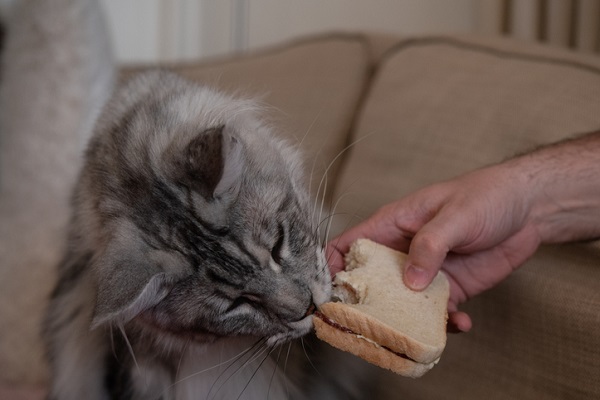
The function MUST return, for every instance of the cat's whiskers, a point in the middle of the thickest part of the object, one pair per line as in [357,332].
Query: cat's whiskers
[129,347]
[275,368]
[264,348]
[112,341]
[354,216]
[312,171]
[329,219]
[257,348]
[313,167]
[230,360]
[325,185]
[323,182]
[287,357]
[324,238]
[309,129]
[183,352]
[332,214]
[308,358]
[255,371]
[344,194]
[246,106]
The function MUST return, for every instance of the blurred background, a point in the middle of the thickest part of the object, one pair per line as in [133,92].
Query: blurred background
[169,30]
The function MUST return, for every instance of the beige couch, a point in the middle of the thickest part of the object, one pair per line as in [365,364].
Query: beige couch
[394,114]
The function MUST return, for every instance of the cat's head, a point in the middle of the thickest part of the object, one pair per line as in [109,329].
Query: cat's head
[201,218]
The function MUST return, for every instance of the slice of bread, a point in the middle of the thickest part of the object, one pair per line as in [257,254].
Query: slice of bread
[378,318]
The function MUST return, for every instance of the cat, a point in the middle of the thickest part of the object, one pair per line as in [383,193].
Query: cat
[191,252]
[192,232]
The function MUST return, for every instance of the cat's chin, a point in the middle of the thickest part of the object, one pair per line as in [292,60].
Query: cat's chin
[150,324]
[296,329]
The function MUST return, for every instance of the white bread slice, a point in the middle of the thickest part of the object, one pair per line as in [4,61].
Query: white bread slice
[387,317]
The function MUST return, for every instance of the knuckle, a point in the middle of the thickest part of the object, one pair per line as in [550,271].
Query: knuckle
[430,243]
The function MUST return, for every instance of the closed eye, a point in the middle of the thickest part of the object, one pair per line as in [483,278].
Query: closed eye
[276,250]
[245,299]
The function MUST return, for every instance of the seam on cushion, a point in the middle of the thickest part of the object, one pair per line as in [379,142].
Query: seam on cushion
[462,45]
[372,67]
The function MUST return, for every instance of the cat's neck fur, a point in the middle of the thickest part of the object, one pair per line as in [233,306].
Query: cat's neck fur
[227,369]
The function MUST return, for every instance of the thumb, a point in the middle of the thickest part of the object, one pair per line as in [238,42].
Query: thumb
[427,252]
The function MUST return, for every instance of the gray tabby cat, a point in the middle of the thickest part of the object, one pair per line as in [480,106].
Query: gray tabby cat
[191,249]
[192,226]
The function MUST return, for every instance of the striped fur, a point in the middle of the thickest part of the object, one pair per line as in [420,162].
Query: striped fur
[191,241]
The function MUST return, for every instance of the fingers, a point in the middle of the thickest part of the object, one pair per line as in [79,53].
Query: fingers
[427,252]
[431,244]
[425,257]
[458,321]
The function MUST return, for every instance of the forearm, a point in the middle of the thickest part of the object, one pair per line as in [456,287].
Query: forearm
[564,184]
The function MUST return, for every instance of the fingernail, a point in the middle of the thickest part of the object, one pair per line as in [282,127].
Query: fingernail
[415,277]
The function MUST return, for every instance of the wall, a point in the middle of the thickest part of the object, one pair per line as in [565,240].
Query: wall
[162,30]
[272,20]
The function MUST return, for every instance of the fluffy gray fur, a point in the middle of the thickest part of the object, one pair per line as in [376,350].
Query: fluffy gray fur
[192,224]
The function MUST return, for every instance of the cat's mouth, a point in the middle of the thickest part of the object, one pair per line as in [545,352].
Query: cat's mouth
[296,329]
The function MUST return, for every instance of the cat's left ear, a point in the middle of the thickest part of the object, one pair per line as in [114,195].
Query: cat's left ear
[211,165]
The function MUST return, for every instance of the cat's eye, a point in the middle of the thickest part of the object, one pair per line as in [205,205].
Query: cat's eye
[278,247]
[249,299]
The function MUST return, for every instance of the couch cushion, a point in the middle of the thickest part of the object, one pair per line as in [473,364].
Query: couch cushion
[439,107]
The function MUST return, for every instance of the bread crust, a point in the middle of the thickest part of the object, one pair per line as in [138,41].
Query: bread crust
[370,352]
[382,334]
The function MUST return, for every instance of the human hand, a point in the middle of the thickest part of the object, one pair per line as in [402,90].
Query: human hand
[477,229]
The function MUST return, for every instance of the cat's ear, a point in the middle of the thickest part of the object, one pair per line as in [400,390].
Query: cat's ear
[211,165]
[128,282]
